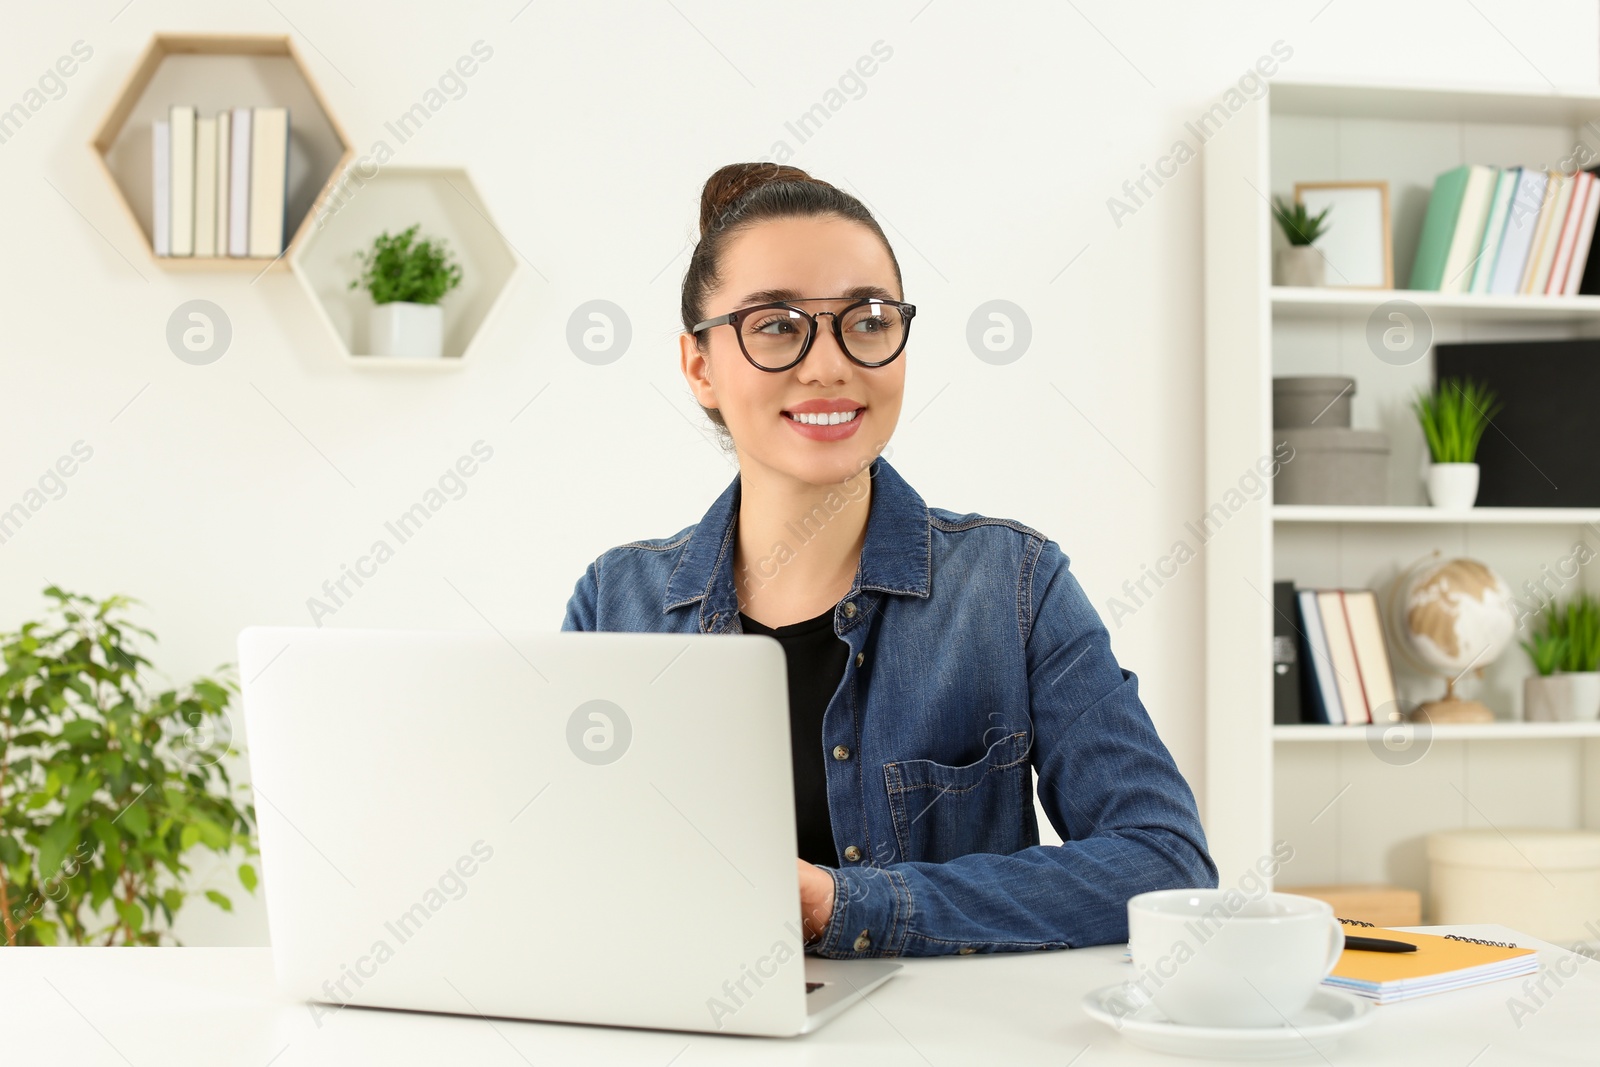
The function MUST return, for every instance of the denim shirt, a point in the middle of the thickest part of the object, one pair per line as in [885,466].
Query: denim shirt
[976,661]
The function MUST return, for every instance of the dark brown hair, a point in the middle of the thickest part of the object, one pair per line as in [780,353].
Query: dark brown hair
[736,197]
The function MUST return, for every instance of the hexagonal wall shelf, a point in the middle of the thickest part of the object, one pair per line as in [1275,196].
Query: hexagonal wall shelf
[444,201]
[213,72]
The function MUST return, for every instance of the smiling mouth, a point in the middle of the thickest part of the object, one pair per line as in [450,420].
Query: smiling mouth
[824,418]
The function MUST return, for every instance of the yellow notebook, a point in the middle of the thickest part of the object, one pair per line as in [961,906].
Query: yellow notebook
[1439,964]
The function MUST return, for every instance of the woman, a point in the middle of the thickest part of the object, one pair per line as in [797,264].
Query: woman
[933,657]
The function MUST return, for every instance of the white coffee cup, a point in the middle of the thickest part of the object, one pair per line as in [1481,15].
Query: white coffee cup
[1217,957]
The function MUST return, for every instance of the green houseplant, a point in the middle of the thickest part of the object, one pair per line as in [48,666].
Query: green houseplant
[1300,263]
[105,783]
[1453,417]
[1566,654]
[407,276]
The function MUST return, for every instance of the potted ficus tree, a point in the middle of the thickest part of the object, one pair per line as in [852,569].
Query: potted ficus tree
[407,276]
[1566,654]
[1453,417]
[106,784]
[1299,264]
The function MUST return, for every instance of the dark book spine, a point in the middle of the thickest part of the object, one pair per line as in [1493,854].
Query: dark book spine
[1285,654]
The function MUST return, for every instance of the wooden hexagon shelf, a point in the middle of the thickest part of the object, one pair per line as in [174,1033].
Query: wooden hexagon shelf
[213,72]
[445,204]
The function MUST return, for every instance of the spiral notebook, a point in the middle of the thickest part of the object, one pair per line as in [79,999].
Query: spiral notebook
[1441,963]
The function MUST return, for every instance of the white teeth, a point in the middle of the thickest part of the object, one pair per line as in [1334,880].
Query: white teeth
[832,418]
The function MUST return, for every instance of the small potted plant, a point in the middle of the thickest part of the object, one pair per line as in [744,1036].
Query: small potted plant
[407,277]
[1566,654]
[1299,264]
[1453,418]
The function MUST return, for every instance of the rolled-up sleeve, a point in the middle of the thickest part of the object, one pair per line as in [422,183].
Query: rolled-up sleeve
[1126,816]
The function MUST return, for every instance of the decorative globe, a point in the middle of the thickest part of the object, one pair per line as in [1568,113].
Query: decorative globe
[1451,615]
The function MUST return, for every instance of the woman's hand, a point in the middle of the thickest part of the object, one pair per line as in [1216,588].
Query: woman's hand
[816,898]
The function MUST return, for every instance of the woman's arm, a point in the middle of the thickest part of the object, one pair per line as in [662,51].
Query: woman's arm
[582,604]
[1125,814]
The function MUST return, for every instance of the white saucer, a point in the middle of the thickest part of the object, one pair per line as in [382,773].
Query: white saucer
[1316,1028]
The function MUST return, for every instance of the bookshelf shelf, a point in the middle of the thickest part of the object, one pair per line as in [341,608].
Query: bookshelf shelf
[212,72]
[1477,731]
[446,203]
[1294,302]
[1431,516]
[1354,810]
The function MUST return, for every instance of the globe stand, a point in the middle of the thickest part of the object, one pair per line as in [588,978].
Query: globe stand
[1452,708]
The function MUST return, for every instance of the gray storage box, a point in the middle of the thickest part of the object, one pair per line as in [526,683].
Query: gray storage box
[1332,466]
[1297,400]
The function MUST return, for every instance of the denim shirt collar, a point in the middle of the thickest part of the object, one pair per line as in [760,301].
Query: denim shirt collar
[894,556]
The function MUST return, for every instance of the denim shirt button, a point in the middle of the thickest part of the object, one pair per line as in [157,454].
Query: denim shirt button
[863,942]
[849,609]
[860,658]
[852,853]
[967,950]
[841,752]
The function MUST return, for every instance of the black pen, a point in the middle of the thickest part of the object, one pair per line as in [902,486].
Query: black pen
[1378,944]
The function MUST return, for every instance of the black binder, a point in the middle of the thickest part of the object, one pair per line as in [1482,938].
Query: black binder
[1285,654]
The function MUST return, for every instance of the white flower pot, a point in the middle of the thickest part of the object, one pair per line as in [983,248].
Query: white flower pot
[407,331]
[1298,265]
[1566,696]
[1452,485]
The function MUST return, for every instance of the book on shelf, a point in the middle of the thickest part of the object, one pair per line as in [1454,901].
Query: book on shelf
[161,187]
[1552,218]
[269,179]
[1440,963]
[1522,218]
[205,185]
[1494,231]
[1285,655]
[239,194]
[220,182]
[1582,192]
[1346,676]
[1505,230]
[1581,252]
[224,182]
[180,120]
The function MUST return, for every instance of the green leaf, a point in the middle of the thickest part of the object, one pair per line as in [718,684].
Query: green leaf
[189,837]
[219,900]
[247,877]
[136,819]
[132,914]
[53,846]
[79,730]
[213,835]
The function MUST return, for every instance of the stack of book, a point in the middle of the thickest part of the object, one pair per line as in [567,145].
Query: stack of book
[1505,230]
[220,182]
[1331,664]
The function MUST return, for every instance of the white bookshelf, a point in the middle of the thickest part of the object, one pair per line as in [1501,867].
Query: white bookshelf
[1350,814]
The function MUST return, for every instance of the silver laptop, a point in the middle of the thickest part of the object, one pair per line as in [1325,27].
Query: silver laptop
[570,827]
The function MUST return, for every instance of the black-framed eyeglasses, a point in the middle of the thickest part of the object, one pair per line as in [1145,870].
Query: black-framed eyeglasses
[776,336]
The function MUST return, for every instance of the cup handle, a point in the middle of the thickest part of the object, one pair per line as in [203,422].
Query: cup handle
[1336,946]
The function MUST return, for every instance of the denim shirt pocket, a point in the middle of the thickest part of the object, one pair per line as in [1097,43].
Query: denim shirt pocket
[941,812]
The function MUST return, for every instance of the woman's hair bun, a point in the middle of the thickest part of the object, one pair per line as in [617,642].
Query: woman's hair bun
[724,188]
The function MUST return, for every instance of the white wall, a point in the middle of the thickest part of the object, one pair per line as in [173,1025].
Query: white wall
[989,143]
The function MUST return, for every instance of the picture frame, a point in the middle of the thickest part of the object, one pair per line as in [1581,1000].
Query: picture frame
[1359,242]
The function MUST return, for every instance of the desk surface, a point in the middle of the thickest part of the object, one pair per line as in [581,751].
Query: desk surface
[180,1006]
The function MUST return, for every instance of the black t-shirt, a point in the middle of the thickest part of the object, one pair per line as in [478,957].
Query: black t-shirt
[816,657]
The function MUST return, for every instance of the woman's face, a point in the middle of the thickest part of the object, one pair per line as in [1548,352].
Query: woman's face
[803,257]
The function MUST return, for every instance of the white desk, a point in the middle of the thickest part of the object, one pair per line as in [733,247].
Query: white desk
[178,1006]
